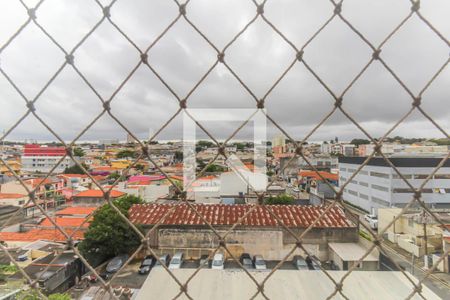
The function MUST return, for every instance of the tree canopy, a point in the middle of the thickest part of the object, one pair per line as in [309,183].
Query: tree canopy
[75,169]
[283,199]
[108,234]
[126,153]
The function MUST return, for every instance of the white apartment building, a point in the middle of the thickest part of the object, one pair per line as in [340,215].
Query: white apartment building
[45,164]
[377,185]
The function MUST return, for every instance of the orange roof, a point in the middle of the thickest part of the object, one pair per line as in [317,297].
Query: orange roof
[40,234]
[34,182]
[65,222]
[76,210]
[73,175]
[11,196]
[176,177]
[316,176]
[98,194]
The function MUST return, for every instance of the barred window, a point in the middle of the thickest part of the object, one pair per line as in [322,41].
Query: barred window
[380,201]
[380,188]
[378,174]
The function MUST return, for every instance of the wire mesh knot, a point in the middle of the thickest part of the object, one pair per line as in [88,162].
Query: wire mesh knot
[107,11]
[30,106]
[183,288]
[417,101]
[261,199]
[70,244]
[107,105]
[339,286]
[376,54]
[338,9]
[221,57]
[415,6]
[338,102]
[377,148]
[222,243]
[183,9]
[32,195]
[69,59]
[144,58]
[183,104]
[418,288]
[299,150]
[339,195]
[299,55]
[144,150]
[261,287]
[260,104]
[260,9]
[32,13]
[299,244]
[417,194]
[69,151]
[221,150]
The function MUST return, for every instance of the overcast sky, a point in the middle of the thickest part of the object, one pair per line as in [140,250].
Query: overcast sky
[259,57]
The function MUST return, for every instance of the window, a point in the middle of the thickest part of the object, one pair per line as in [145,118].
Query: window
[351,170]
[343,179]
[362,172]
[363,196]
[402,191]
[21,202]
[442,176]
[353,193]
[343,169]
[421,176]
[410,222]
[363,183]
[380,201]
[381,175]
[380,188]
[354,182]
[407,176]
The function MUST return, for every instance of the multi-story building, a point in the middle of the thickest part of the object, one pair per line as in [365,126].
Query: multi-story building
[378,185]
[37,158]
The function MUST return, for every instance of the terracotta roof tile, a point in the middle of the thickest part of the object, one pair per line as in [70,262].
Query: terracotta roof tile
[65,222]
[40,234]
[11,196]
[76,210]
[221,214]
[98,194]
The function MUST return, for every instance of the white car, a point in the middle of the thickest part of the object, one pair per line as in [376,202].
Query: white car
[177,261]
[259,262]
[372,220]
[218,261]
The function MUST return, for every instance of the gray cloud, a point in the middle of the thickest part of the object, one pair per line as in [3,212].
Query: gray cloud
[259,57]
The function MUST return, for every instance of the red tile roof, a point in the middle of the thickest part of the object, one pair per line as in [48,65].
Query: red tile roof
[221,214]
[65,222]
[40,234]
[98,194]
[11,196]
[76,210]
[316,176]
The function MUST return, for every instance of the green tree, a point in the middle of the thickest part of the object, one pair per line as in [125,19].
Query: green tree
[114,176]
[358,142]
[214,168]
[78,152]
[283,199]
[178,155]
[59,296]
[75,169]
[108,234]
[126,153]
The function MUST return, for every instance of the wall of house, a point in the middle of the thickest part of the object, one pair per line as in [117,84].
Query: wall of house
[272,244]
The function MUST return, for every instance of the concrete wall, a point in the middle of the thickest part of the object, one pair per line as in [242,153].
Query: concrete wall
[271,243]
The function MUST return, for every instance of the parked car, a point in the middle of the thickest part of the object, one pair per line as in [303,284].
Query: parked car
[204,261]
[300,263]
[22,257]
[372,220]
[164,258]
[176,261]
[218,261]
[116,263]
[259,262]
[246,261]
[147,264]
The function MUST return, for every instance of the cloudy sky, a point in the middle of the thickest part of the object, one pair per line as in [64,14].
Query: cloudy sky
[259,57]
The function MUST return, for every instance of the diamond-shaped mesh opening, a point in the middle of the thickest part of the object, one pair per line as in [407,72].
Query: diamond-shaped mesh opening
[122,57]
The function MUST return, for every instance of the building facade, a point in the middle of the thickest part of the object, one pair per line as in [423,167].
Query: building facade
[378,185]
[36,158]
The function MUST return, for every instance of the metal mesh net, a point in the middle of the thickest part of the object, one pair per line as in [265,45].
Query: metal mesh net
[336,12]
